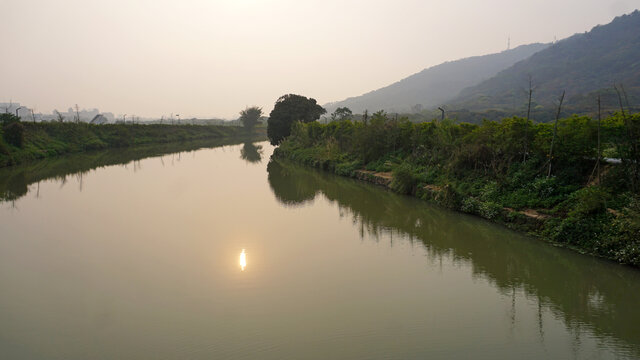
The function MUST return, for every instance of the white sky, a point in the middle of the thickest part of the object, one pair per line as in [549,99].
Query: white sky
[212,58]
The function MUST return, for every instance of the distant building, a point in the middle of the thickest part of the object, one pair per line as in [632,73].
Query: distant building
[99,120]
[9,107]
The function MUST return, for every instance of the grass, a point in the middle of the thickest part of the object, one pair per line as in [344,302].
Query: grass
[48,139]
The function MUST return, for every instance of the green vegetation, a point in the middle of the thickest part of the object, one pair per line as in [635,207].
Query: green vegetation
[561,278]
[288,109]
[499,170]
[23,141]
[496,86]
[15,180]
[436,85]
[250,117]
[341,113]
[581,64]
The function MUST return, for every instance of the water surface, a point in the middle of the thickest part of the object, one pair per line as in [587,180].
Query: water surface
[216,253]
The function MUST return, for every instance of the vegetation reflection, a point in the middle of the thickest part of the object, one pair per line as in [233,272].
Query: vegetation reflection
[15,180]
[511,262]
[251,152]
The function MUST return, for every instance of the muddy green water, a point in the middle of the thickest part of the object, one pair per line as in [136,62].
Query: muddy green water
[217,254]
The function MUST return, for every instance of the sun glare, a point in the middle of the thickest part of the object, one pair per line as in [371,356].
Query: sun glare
[243,260]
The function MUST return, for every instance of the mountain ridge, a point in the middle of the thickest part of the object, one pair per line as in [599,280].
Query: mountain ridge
[584,65]
[437,84]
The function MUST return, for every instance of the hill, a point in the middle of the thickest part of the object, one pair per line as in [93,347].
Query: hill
[433,86]
[583,65]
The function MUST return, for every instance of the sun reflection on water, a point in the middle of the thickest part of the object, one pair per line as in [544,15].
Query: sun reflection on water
[243,260]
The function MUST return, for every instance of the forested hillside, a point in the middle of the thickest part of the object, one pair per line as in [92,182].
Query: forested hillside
[583,65]
[435,85]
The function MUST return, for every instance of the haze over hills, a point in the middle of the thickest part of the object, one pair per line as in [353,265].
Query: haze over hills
[582,65]
[435,85]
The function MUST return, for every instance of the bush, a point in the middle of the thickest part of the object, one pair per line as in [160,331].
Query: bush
[3,149]
[8,118]
[404,180]
[470,205]
[14,134]
[590,200]
[490,210]
[583,231]
[627,236]
[348,168]
[449,197]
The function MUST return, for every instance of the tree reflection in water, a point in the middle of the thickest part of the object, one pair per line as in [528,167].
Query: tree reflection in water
[251,153]
[15,180]
[585,292]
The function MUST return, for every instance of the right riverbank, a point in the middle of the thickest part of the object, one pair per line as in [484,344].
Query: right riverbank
[552,181]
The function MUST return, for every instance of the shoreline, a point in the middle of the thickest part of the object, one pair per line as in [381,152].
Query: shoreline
[527,222]
[48,140]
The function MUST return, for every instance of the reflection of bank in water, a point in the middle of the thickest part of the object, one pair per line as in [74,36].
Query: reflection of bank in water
[579,289]
[243,260]
[15,180]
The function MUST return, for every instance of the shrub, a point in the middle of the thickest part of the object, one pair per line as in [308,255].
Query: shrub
[583,231]
[347,168]
[14,134]
[590,200]
[404,180]
[3,148]
[470,205]
[490,210]
[627,236]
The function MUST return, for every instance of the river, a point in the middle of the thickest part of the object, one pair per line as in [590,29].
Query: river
[217,253]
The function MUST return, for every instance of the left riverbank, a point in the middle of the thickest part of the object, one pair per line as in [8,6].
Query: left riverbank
[23,141]
[15,180]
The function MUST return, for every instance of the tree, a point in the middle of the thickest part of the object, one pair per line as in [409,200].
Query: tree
[341,113]
[287,110]
[8,118]
[59,116]
[12,129]
[250,116]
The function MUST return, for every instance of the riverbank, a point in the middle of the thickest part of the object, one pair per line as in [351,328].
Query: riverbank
[499,171]
[15,180]
[50,139]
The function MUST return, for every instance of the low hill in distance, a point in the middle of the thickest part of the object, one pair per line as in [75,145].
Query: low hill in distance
[583,65]
[433,86]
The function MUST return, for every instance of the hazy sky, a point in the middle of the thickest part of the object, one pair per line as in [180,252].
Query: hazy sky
[209,58]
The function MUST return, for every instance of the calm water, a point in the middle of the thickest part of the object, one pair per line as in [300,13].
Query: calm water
[216,254]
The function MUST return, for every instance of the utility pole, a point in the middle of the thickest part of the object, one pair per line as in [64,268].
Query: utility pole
[526,125]
[442,110]
[599,119]
[555,131]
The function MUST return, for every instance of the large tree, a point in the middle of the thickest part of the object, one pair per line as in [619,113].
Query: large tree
[250,116]
[287,110]
[341,113]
